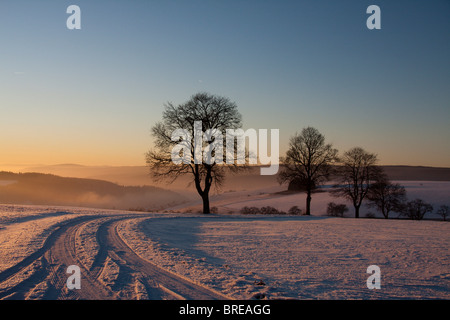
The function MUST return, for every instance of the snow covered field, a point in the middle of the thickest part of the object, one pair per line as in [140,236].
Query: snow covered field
[300,257]
[137,255]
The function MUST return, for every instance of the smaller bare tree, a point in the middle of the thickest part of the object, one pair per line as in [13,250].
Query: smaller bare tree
[444,211]
[308,160]
[386,196]
[416,209]
[356,175]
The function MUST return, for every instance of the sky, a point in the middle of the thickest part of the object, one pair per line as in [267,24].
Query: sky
[91,96]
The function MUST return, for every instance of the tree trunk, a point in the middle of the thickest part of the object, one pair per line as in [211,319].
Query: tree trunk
[205,194]
[356,211]
[205,199]
[308,203]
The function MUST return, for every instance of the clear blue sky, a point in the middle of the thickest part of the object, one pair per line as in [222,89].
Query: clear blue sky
[90,96]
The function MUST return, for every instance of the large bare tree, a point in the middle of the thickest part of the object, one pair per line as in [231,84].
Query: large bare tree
[356,175]
[216,114]
[308,160]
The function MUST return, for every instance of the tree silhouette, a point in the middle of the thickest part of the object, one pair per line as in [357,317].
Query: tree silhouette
[386,196]
[416,209]
[308,160]
[215,113]
[355,176]
[443,211]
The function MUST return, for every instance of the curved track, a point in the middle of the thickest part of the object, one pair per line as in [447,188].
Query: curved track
[42,275]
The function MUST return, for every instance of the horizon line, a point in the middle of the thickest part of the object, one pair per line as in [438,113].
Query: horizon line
[31,166]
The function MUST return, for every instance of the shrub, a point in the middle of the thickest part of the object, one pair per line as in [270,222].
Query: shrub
[263,210]
[370,215]
[295,210]
[250,210]
[336,210]
[271,210]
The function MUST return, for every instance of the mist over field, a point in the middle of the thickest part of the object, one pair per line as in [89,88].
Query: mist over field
[131,187]
[48,189]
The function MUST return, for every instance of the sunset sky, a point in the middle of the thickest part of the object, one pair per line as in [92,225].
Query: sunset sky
[90,96]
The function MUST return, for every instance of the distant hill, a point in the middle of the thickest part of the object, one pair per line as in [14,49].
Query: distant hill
[49,189]
[417,173]
[123,175]
[139,175]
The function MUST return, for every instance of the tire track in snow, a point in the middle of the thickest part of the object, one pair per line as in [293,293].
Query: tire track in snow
[135,273]
[48,243]
[19,289]
[180,287]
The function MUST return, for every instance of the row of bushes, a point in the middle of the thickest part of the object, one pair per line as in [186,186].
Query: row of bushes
[414,210]
[333,209]
[270,210]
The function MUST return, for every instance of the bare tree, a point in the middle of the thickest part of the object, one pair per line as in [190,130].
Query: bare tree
[309,160]
[214,113]
[416,209]
[386,196]
[444,211]
[355,176]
